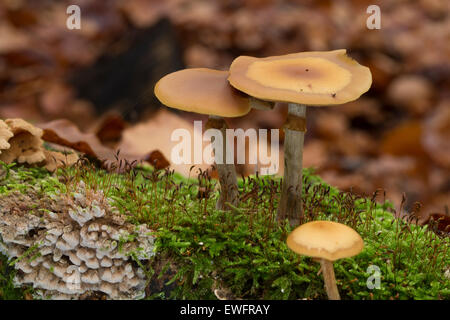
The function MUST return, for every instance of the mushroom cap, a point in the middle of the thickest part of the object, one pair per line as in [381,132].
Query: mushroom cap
[311,78]
[325,239]
[203,91]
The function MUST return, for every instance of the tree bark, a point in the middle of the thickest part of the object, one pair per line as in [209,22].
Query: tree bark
[329,279]
[290,205]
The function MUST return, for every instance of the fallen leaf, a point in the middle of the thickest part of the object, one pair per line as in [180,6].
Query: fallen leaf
[436,136]
[155,134]
[64,132]
[55,159]
[109,130]
[439,221]
[412,93]
[330,125]
[11,38]
[143,13]
[314,154]
[157,160]
[405,139]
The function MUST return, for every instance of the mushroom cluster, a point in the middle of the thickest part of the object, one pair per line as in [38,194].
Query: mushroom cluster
[322,78]
[207,91]
[20,141]
[79,247]
[300,79]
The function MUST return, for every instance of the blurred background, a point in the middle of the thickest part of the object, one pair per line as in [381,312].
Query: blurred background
[396,137]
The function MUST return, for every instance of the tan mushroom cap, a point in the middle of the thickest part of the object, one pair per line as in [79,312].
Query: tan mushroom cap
[325,239]
[310,78]
[203,91]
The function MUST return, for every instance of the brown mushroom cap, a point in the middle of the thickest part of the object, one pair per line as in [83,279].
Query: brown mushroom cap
[325,239]
[203,91]
[310,78]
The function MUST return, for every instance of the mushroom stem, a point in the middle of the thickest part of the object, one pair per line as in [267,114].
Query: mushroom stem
[260,104]
[290,205]
[229,191]
[329,279]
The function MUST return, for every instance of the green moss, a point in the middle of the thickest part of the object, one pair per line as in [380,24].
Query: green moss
[244,250]
[7,289]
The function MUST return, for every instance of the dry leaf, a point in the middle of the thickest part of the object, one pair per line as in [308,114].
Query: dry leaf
[11,38]
[55,160]
[436,138]
[314,154]
[331,125]
[64,132]
[157,160]
[143,13]
[109,131]
[404,139]
[413,93]
[155,134]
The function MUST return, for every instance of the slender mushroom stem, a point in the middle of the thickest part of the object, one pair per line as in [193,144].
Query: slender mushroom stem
[329,279]
[290,205]
[261,104]
[229,191]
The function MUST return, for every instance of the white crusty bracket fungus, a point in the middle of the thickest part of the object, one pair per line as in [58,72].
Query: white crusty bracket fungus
[82,247]
[328,241]
[300,79]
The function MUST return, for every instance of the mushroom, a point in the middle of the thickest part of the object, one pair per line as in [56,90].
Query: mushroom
[328,241]
[207,91]
[300,79]
[5,135]
[24,145]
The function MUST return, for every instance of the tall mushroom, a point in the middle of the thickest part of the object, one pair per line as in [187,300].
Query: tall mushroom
[328,241]
[300,79]
[208,92]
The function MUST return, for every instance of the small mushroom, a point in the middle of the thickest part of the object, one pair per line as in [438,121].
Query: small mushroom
[328,241]
[207,91]
[300,79]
